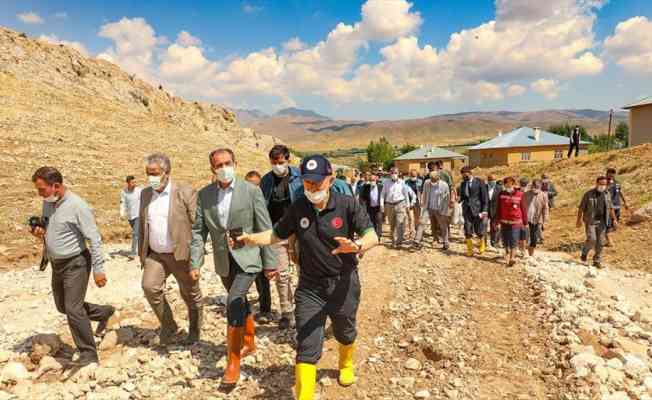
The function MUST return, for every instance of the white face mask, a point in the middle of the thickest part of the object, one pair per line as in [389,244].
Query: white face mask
[601,188]
[509,190]
[155,181]
[280,169]
[225,174]
[317,197]
[394,177]
[52,199]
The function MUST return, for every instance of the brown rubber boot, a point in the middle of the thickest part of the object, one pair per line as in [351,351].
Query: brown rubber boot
[234,338]
[169,327]
[195,319]
[249,340]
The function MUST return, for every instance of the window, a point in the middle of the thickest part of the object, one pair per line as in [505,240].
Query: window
[525,156]
[559,154]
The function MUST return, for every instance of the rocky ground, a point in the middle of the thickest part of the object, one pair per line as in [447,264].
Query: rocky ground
[431,326]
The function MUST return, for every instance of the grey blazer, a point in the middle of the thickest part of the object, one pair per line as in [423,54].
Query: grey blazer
[249,212]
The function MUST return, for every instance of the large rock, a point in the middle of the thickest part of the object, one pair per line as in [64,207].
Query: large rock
[45,344]
[635,368]
[48,364]
[110,341]
[14,372]
[642,214]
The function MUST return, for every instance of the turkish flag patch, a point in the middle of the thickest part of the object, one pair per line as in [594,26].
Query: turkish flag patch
[337,222]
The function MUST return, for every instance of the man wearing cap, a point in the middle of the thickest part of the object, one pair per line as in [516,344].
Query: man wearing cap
[326,224]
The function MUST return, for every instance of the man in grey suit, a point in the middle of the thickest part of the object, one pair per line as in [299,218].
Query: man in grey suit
[227,209]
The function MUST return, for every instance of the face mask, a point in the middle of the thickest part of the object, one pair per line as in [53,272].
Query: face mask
[280,169]
[317,197]
[52,199]
[535,190]
[467,177]
[225,174]
[372,183]
[394,177]
[492,184]
[413,178]
[434,180]
[155,181]
[601,188]
[509,190]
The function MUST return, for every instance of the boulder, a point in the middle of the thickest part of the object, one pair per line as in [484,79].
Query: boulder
[48,364]
[643,214]
[14,372]
[45,344]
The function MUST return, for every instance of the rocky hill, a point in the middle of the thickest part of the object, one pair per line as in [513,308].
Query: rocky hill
[96,123]
[306,132]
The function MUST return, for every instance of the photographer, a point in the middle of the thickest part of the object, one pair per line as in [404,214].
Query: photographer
[66,225]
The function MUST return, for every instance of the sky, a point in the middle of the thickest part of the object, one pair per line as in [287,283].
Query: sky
[365,60]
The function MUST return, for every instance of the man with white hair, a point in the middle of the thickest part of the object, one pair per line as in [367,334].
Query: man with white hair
[167,212]
[435,202]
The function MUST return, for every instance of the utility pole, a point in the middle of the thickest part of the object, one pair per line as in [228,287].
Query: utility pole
[611,116]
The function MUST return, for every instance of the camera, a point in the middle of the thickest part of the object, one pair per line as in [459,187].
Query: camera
[37,222]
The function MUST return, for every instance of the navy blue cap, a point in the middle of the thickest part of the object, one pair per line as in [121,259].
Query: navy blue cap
[316,168]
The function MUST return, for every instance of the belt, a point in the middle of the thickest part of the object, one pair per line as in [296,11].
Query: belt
[62,261]
[395,203]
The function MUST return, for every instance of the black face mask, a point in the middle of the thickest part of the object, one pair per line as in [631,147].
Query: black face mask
[467,178]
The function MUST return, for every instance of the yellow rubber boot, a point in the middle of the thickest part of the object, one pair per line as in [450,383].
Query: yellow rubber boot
[306,379]
[483,246]
[347,372]
[469,247]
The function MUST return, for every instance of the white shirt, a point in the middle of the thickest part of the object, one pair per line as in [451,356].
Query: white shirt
[130,203]
[224,202]
[374,196]
[395,192]
[158,212]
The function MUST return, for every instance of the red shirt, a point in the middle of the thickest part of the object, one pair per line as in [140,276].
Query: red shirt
[511,208]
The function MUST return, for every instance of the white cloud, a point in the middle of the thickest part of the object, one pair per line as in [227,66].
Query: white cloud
[134,45]
[294,44]
[540,45]
[251,9]
[30,17]
[546,87]
[630,45]
[75,45]
[515,90]
[61,14]
[186,39]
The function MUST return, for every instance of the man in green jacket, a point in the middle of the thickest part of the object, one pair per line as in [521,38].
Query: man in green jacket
[227,209]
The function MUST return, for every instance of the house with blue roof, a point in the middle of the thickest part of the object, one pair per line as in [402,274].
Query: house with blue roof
[640,121]
[521,145]
[418,159]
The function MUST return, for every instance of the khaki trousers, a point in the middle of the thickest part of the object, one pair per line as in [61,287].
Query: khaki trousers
[397,215]
[156,271]
[284,280]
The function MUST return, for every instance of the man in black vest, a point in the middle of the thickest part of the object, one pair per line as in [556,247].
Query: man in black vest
[574,142]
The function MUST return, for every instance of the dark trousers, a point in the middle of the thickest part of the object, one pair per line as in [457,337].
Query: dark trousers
[264,293]
[376,219]
[572,146]
[69,284]
[534,231]
[237,283]
[473,225]
[594,240]
[494,231]
[135,228]
[336,298]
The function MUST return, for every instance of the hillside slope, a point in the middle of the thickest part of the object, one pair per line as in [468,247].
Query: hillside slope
[96,123]
[574,177]
[309,133]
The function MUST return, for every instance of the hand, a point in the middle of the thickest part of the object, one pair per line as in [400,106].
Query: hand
[346,245]
[246,239]
[483,215]
[614,223]
[100,279]
[271,274]
[194,274]
[38,232]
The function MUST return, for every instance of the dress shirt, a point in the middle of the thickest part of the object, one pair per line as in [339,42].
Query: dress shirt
[394,192]
[160,239]
[130,203]
[224,202]
[374,196]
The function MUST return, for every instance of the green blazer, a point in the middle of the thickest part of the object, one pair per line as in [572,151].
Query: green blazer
[249,212]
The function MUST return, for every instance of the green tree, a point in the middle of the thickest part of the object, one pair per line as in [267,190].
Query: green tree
[622,133]
[406,148]
[381,153]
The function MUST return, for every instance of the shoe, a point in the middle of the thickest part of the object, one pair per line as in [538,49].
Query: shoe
[417,246]
[234,339]
[347,372]
[249,339]
[469,247]
[598,264]
[286,322]
[306,380]
[195,319]
[264,317]
[103,324]
[169,328]
[86,359]
[482,247]
[583,258]
[446,247]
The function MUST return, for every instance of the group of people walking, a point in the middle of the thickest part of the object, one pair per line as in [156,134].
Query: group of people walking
[262,226]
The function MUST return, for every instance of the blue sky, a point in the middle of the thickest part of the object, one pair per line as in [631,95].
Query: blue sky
[374,59]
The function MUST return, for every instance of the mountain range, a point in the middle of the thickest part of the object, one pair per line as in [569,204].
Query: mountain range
[308,130]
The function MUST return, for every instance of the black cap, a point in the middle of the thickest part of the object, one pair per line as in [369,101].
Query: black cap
[316,168]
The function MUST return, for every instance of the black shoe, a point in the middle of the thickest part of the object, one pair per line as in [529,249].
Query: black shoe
[102,325]
[445,248]
[286,322]
[86,359]
[583,258]
[597,264]
[417,246]
[264,317]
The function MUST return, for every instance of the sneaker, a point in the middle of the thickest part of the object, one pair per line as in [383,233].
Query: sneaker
[286,322]
[264,318]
